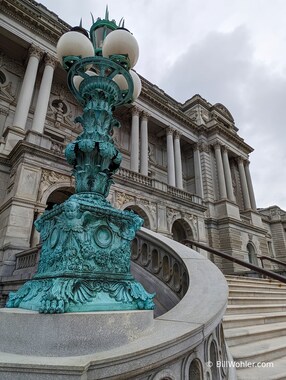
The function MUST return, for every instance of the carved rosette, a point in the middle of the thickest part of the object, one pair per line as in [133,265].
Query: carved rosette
[85,260]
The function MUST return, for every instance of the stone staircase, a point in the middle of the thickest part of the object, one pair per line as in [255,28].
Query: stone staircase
[255,327]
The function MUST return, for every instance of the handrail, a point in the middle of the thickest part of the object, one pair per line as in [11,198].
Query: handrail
[270,259]
[263,271]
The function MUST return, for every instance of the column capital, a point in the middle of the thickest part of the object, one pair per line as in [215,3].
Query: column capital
[51,60]
[240,160]
[135,111]
[35,51]
[170,131]
[217,145]
[177,134]
[202,147]
[145,115]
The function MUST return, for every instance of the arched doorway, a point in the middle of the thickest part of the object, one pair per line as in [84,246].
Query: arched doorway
[181,230]
[59,196]
[141,213]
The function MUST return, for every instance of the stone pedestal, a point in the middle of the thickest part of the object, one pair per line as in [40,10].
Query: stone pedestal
[26,332]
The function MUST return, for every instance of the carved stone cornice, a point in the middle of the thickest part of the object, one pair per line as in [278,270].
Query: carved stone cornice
[230,136]
[167,105]
[35,17]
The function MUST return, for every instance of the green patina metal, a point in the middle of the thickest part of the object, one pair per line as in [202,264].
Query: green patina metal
[100,29]
[85,258]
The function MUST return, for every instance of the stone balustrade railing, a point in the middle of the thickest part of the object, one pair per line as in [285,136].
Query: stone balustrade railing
[186,338]
[150,182]
[27,259]
[136,177]
[184,195]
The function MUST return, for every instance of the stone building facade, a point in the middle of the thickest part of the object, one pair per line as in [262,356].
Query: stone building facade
[185,168]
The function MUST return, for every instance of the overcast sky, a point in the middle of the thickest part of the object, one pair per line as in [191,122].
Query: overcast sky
[229,52]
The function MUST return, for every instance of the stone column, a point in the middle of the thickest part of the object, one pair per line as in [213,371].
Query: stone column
[144,144]
[178,160]
[134,159]
[170,158]
[227,174]
[44,94]
[243,181]
[27,89]
[221,178]
[198,171]
[250,187]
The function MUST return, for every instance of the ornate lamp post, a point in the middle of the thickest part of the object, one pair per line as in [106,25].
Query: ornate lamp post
[85,257]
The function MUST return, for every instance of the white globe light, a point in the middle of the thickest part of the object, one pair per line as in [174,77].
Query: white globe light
[137,84]
[77,79]
[74,44]
[121,42]
[121,82]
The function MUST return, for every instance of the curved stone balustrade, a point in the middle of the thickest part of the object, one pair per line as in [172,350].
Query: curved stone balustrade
[178,345]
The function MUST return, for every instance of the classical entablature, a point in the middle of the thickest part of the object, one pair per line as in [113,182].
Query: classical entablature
[35,17]
[156,97]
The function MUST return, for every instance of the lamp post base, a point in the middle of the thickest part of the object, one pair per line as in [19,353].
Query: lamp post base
[85,260]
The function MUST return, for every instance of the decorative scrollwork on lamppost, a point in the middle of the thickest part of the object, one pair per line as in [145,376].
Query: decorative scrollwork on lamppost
[86,242]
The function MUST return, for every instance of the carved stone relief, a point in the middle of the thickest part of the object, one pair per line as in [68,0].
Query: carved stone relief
[49,178]
[122,198]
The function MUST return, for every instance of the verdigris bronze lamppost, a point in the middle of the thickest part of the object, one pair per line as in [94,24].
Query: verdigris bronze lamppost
[85,258]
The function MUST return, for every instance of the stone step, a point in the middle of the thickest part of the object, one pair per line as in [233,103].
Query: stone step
[268,288]
[257,293]
[275,370]
[256,300]
[255,309]
[241,320]
[261,351]
[248,334]
[248,280]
